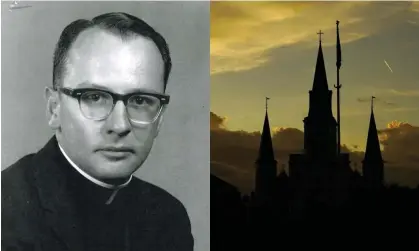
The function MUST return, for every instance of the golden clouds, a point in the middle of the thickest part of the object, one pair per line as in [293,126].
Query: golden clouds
[384,134]
[236,34]
[277,129]
[233,152]
[217,122]
[242,33]
[401,145]
[395,124]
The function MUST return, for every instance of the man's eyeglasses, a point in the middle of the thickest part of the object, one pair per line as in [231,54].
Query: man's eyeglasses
[142,107]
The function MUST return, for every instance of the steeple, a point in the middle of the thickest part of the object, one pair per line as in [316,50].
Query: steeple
[373,163]
[266,151]
[372,151]
[320,126]
[320,78]
[265,163]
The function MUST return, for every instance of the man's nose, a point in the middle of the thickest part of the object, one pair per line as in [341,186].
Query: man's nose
[118,122]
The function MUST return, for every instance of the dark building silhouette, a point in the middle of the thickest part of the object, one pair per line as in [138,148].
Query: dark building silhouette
[228,215]
[321,202]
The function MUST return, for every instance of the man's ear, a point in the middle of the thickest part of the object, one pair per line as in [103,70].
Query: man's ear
[53,105]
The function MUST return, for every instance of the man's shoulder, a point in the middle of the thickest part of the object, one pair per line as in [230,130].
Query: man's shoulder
[157,204]
[19,205]
[154,195]
[17,174]
[163,215]
[17,184]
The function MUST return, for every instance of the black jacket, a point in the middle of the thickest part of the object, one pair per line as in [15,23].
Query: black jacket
[39,211]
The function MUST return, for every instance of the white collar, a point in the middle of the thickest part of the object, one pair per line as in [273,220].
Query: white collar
[93,179]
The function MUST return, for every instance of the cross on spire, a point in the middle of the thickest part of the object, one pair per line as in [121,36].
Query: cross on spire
[266,103]
[320,33]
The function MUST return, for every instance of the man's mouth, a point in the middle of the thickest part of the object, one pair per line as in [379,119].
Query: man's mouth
[116,152]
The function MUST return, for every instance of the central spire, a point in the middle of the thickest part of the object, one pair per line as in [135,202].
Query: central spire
[320,79]
[320,125]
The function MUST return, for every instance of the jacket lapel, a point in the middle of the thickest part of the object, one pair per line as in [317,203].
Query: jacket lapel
[57,202]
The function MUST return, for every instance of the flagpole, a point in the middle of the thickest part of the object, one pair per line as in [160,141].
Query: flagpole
[338,85]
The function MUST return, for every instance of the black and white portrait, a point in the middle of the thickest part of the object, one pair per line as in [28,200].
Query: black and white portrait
[105,126]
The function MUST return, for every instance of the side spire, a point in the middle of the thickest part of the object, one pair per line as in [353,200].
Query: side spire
[320,79]
[373,151]
[265,164]
[266,152]
[373,163]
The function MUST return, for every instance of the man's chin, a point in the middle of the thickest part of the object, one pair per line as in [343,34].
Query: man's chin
[115,169]
[113,174]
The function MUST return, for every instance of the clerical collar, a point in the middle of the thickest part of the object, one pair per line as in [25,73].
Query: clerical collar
[93,179]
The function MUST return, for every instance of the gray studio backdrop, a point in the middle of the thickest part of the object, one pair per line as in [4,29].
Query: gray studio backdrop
[179,161]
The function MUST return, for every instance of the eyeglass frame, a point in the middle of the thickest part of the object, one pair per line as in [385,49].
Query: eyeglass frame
[78,92]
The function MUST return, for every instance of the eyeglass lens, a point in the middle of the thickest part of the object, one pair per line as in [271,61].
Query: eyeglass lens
[140,107]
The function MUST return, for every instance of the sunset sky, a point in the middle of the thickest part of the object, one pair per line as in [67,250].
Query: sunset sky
[269,49]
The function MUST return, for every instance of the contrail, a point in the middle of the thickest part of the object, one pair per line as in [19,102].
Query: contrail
[388,66]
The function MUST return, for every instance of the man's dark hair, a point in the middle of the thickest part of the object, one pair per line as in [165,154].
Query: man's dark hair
[121,24]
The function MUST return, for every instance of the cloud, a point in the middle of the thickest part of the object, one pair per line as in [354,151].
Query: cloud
[288,139]
[243,33]
[217,122]
[400,150]
[400,142]
[233,153]
[395,124]
[404,93]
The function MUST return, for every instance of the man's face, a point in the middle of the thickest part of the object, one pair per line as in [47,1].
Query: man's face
[102,60]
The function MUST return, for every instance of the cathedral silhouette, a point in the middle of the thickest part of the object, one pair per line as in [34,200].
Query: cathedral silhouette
[321,200]
[321,172]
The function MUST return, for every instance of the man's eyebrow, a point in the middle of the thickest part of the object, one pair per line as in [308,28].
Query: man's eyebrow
[88,84]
